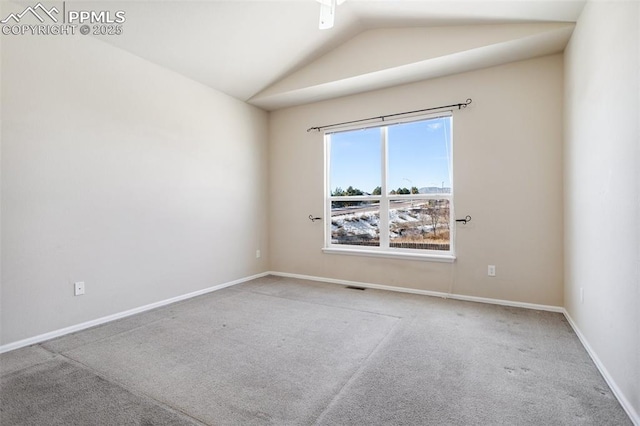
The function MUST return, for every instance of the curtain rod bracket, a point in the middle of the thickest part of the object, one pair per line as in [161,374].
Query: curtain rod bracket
[464,221]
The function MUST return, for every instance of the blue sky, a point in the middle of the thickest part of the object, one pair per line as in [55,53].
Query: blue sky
[418,156]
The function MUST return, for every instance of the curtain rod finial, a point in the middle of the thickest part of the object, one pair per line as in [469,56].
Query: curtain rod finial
[464,105]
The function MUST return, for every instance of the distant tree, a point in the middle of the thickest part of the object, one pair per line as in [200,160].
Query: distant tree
[444,212]
[377,191]
[351,191]
[393,192]
[434,213]
[403,191]
[414,190]
[338,192]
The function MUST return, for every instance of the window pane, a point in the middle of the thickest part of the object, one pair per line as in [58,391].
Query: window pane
[419,224]
[355,162]
[355,223]
[420,157]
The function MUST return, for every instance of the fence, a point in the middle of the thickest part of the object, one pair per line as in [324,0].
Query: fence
[404,245]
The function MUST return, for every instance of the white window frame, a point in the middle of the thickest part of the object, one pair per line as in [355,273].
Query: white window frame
[384,250]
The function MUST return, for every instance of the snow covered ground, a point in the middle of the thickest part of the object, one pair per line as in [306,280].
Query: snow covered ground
[361,224]
[364,225]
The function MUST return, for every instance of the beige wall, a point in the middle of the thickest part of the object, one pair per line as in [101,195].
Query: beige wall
[119,173]
[507,173]
[602,178]
[147,185]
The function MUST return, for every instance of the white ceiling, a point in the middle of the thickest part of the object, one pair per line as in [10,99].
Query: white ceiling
[249,48]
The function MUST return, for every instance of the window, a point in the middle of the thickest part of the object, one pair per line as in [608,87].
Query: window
[389,190]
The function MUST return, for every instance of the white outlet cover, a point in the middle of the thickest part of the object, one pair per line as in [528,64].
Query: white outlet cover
[78,288]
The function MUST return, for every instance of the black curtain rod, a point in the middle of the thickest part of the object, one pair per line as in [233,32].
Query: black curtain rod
[382,117]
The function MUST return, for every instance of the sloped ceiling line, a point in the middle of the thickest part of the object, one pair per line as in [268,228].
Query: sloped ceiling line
[388,57]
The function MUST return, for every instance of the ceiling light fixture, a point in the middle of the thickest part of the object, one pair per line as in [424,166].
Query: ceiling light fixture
[328,13]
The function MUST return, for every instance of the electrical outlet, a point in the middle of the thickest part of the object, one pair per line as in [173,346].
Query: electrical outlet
[258,254]
[78,288]
[491,270]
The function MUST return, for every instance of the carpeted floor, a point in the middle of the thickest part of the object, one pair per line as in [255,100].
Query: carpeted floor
[290,352]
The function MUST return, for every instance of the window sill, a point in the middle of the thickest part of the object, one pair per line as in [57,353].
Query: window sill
[445,258]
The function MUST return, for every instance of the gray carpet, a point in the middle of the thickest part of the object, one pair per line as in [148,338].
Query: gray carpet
[60,393]
[290,352]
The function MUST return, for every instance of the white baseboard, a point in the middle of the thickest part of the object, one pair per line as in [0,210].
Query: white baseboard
[626,405]
[525,305]
[82,326]
[78,327]
[631,412]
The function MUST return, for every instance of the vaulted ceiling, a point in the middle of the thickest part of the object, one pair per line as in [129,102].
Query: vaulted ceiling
[272,54]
